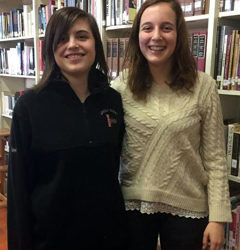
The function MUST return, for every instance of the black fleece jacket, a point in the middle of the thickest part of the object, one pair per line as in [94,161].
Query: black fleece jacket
[63,184]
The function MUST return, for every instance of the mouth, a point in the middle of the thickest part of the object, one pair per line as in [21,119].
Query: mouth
[75,55]
[157,48]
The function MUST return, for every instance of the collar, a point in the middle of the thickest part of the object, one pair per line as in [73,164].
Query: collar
[97,81]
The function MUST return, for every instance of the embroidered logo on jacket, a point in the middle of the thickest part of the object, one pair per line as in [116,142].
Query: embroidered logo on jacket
[111,116]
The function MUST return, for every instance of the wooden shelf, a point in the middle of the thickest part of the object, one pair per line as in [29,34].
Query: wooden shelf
[229,92]
[234,178]
[18,76]
[20,38]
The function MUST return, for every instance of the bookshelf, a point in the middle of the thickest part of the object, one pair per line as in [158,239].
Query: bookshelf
[10,83]
[13,81]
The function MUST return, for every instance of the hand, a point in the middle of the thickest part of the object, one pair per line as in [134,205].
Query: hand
[3,201]
[213,236]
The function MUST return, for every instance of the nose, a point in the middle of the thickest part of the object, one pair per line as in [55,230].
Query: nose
[73,43]
[157,34]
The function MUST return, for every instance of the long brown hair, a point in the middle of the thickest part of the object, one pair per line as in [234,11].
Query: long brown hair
[59,24]
[184,70]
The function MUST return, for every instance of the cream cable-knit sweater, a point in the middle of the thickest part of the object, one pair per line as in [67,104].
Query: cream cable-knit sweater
[173,149]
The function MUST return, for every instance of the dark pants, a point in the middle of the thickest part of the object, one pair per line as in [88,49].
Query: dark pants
[176,233]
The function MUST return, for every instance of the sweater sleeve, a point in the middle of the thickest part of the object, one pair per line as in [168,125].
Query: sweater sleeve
[19,216]
[214,157]
[119,83]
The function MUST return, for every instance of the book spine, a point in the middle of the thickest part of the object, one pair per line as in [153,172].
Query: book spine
[202,45]
[109,55]
[235,154]
[195,39]
[235,55]
[189,7]
[227,58]
[132,11]
[115,57]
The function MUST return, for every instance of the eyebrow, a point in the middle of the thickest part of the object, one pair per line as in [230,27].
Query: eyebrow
[82,31]
[150,23]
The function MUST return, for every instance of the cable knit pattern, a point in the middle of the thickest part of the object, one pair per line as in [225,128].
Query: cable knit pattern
[173,150]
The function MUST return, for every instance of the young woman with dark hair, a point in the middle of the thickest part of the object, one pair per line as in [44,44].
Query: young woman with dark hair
[66,134]
[173,172]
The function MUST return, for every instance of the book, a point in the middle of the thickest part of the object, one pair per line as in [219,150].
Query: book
[199,7]
[27,22]
[235,55]
[206,7]
[40,43]
[71,3]
[109,55]
[115,57]
[236,5]
[125,11]
[121,52]
[224,57]
[113,12]
[108,12]
[234,229]
[195,41]
[132,10]
[118,12]
[231,53]
[233,127]
[123,42]
[189,8]
[201,54]
[227,57]
[228,5]
[235,153]
[221,5]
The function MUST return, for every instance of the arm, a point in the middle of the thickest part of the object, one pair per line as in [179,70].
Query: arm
[214,160]
[19,216]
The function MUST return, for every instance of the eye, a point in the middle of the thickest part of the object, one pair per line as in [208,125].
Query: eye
[147,28]
[167,28]
[63,39]
[82,37]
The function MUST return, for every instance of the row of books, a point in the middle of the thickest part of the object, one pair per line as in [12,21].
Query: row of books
[199,7]
[87,5]
[232,230]
[198,46]
[44,13]
[119,12]
[229,5]
[18,60]
[233,148]
[116,48]
[9,101]
[46,10]
[16,23]
[227,67]
[194,7]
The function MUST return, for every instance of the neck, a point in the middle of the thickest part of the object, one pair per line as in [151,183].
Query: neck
[160,75]
[79,84]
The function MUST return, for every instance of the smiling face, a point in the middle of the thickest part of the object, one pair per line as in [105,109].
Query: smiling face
[75,53]
[158,35]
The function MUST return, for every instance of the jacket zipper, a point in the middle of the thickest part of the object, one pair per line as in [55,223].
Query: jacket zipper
[86,122]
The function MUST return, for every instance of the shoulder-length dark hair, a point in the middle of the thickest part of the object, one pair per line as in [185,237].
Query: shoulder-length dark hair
[183,71]
[59,24]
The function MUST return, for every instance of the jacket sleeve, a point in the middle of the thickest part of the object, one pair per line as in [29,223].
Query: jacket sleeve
[122,129]
[19,216]
[213,156]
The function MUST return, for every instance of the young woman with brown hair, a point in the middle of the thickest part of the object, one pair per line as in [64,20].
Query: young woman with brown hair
[173,173]
[63,189]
